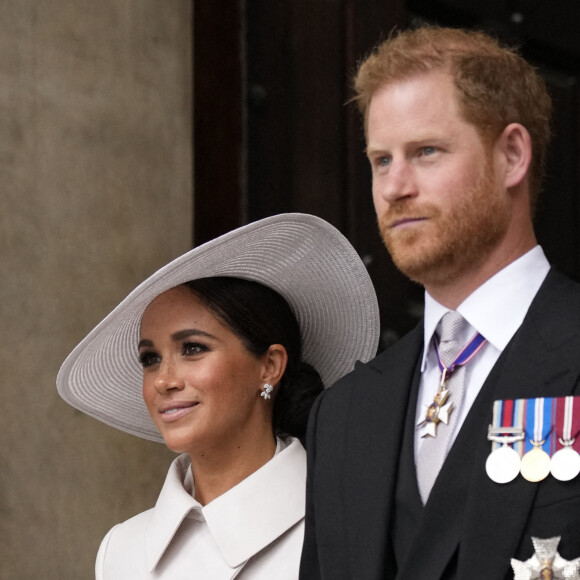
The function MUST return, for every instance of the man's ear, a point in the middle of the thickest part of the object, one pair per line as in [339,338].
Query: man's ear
[515,147]
[275,361]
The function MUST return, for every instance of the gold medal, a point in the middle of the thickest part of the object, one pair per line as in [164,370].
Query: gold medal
[535,464]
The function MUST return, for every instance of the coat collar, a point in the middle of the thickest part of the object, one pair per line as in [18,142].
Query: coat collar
[245,519]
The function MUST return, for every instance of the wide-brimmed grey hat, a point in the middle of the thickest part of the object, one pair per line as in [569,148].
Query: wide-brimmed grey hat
[304,258]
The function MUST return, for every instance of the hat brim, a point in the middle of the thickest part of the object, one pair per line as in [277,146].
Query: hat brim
[304,258]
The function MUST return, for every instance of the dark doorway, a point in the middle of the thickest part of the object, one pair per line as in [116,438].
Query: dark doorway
[273,132]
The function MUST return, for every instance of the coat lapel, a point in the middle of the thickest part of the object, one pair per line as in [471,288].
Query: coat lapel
[372,453]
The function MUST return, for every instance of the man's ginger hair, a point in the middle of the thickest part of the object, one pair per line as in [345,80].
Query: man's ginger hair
[496,86]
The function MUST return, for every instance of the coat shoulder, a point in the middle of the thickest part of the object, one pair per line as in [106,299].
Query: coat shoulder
[402,352]
[122,541]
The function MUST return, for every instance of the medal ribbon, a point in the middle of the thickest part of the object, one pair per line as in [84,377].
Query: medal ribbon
[509,413]
[539,423]
[472,348]
[567,422]
[538,417]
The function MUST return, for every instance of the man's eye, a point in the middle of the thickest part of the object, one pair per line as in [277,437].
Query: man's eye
[428,150]
[384,161]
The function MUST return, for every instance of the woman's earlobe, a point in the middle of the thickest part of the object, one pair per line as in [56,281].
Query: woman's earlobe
[275,362]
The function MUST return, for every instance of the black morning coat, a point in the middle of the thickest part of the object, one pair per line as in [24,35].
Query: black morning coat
[470,527]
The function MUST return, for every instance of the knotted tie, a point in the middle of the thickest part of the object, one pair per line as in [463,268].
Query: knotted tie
[433,450]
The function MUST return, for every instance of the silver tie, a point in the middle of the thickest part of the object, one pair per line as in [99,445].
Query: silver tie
[433,450]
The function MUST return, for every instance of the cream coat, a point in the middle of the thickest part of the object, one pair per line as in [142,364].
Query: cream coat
[254,531]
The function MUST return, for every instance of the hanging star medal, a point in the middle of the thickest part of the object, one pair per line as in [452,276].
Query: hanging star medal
[440,409]
[546,563]
[437,412]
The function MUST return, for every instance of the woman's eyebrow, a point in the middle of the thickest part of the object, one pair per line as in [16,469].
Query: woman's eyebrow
[178,336]
[181,334]
[145,342]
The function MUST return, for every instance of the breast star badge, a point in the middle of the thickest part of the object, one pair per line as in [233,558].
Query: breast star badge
[437,412]
[546,563]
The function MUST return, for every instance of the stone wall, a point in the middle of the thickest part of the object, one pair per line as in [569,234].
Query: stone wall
[95,194]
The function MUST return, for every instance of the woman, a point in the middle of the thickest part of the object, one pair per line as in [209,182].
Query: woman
[220,354]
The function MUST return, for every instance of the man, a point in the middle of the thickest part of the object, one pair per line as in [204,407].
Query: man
[457,129]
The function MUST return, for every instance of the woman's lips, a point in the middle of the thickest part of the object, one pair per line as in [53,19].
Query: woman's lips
[174,411]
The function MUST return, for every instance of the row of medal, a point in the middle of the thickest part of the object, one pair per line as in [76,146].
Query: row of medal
[535,437]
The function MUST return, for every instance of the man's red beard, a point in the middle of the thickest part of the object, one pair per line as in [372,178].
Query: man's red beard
[450,240]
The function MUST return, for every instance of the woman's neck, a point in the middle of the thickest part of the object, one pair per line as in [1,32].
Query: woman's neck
[215,472]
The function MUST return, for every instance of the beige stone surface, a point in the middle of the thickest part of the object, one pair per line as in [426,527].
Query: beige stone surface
[95,194]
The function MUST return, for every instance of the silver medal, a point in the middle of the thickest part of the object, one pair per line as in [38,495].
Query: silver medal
[565,464]
[503,464]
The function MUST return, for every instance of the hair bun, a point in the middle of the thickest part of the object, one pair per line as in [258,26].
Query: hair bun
[296,393]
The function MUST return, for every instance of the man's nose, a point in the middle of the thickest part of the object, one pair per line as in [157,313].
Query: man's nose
[396,183]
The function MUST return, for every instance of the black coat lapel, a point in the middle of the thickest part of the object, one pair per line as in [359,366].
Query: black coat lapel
[376,421]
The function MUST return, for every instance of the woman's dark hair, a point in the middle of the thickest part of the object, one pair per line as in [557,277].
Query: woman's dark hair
[260,317]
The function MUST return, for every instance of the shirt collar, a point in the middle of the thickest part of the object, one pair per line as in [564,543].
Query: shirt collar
[498,307]
[246,518]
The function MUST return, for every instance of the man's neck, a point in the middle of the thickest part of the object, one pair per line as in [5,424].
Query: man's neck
[451,293]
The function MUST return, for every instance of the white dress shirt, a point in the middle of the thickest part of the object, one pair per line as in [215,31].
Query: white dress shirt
[254,530]
[495,310]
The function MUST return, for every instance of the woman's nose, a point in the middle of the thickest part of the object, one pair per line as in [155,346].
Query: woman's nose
[168,379]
